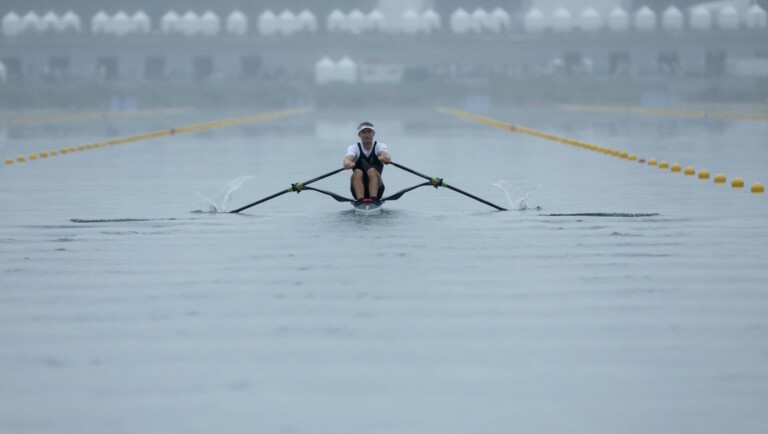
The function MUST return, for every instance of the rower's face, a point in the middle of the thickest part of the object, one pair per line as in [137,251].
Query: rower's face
[366,136]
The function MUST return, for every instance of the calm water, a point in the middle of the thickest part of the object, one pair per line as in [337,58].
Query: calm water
[439,315]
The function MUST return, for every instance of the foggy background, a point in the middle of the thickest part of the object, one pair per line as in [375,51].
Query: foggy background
[497,53]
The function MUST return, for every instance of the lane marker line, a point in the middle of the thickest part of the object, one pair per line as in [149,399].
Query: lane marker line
[667,112]
[91,116]
[756,188]
[261,117]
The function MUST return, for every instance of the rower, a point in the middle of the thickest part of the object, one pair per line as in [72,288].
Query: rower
[367,157]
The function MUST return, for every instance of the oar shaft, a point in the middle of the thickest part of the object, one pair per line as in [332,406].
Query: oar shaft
[439,183]
[294,187]
[474,197]
[259,201]
[412,171]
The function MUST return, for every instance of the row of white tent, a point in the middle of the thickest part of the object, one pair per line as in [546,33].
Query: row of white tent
[644,19]
[410,22]
[328,71]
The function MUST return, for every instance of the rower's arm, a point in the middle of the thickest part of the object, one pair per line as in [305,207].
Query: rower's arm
[384,157]
[349,162]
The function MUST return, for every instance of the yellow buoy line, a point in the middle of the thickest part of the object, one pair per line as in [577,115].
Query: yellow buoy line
[667,112]
[91,116]
[162,133]
[703,174]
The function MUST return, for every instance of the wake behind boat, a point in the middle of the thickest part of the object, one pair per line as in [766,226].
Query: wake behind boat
[368,207]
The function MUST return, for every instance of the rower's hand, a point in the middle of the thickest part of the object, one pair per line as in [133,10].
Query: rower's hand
[386,159]
[349,164]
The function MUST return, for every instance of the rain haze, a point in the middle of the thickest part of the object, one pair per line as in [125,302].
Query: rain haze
[555,223]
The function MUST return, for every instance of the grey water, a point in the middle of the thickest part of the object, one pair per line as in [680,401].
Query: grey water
[613,297]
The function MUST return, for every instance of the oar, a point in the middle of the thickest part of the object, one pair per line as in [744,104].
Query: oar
[397,195]
[338,198]
[438,182]
[294,187]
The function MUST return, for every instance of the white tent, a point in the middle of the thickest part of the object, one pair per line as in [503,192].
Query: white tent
[336,21]
[618,20]
[756,18]
[141,22]
[728,18]
[121,24]
[500,20]
[347,70]
[376,20]
[461,21]
[481,21]
[431,18]
[31,22]
[51,22]
[356,22]
[534,21]
[190,23]
[237,23]
[267,22]
[325,71]
[12,25]
[645,19]
[672,19]
[210,24]
[700,18]
[591,20]
[307,21]
[71,22]
[411,22]
[287,23]
[170,22]
[561,20]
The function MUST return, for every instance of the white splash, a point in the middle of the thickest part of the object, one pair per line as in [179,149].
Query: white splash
[220,202]
[518,204]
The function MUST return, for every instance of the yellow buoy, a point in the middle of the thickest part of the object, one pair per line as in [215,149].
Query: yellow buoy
[737,183]
[703,174]
[43,154]
[624,154]
[9,161]
[72,149]
[719,178]
[663,165]
[21,159]
[676,167]
[652,162]
[54,152]
[689,171]
[632,157]
[63,151]
[615,152]
[758,188]
[81,148]
[88,146]
[33,156]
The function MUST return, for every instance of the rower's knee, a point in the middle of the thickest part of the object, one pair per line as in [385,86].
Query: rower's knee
[357,174]
[373,173]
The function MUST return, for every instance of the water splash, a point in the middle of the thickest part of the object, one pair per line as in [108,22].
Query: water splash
[220,201]
[516,204]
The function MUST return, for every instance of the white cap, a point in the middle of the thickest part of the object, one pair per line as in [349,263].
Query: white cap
[366,127]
